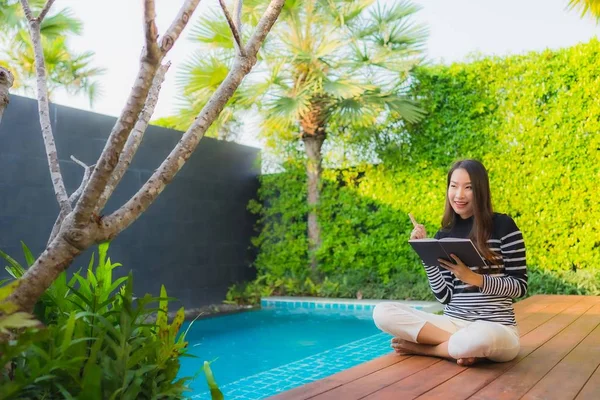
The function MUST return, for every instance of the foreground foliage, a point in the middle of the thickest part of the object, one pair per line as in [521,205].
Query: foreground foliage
[98,341]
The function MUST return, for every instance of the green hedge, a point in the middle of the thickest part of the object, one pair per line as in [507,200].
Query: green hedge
[534,120]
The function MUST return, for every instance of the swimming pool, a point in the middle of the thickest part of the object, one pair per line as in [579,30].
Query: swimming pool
[260,353]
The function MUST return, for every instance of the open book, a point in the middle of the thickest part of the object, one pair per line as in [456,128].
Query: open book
[431,249]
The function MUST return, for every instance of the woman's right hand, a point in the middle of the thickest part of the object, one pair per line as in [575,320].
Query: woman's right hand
[418,232]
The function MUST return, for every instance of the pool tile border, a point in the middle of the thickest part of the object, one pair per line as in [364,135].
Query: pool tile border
[280,302]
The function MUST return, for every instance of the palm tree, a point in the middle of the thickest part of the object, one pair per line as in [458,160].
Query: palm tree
[65,68]
[591,7]
[328,67]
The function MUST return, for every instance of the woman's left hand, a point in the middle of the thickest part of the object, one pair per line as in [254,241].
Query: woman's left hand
[461,271]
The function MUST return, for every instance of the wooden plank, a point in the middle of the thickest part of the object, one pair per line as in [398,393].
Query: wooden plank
[577,367]
[438,373]
[539,317]
[419,383]
[518,380]
[531,305]
[336,380]
[525,309]
[591,389]
[557,317]
[532,300]
[371,383]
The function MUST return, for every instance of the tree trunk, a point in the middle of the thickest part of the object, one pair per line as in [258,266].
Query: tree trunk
[313,144]
[6,81]
[81,228]
[57,257]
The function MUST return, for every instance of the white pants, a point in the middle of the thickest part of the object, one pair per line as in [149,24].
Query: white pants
[483,339]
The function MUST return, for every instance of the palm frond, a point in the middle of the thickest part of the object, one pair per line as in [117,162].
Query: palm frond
[399,10]
[94,91]
[61,24]
[202,74]
[292,9]
[277,129]
[261,84]
[356,112]
[252,10]
[404,107]
[226,126]
[346,87]
[11,12]
[402,36]
[288,107]
[65,69]
[11,15]
[212,31]
[392,28]
[591,7]
[344,12]
[368,108]
[337,62]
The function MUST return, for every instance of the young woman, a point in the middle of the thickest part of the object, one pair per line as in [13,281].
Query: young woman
[478,320]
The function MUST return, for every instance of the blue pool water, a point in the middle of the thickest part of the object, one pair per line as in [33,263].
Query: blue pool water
[259,353]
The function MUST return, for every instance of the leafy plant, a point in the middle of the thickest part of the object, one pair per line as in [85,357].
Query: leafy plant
[100,341]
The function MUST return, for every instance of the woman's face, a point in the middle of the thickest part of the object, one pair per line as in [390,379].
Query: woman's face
[460,193]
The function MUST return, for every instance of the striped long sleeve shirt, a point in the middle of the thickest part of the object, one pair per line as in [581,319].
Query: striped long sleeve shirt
[502,282]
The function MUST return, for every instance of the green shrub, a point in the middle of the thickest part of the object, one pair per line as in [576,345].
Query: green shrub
[99,341]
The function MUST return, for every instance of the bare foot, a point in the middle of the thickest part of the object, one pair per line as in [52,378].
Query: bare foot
[467,362]
[405,347]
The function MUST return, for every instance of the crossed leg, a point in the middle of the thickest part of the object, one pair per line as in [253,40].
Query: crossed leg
[417,332]
[431,341]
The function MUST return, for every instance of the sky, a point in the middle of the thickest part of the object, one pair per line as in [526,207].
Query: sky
[457,29]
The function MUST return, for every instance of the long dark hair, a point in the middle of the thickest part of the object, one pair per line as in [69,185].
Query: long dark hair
[483,212]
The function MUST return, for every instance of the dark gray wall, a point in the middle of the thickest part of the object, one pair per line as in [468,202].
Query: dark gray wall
[195,238]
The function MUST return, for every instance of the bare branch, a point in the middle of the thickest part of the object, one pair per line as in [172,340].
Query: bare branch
[114,146]
[130,211]
[110,155]
[234,30]
[135,138]
[56,227]
[87,169]
[6,81]
[44,111]
[179,23]
[27,10]
[79,162]
[237,11]
[45,10]
[263,28]
[150,30]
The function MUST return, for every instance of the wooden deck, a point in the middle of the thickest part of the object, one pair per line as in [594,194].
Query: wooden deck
[559,359]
